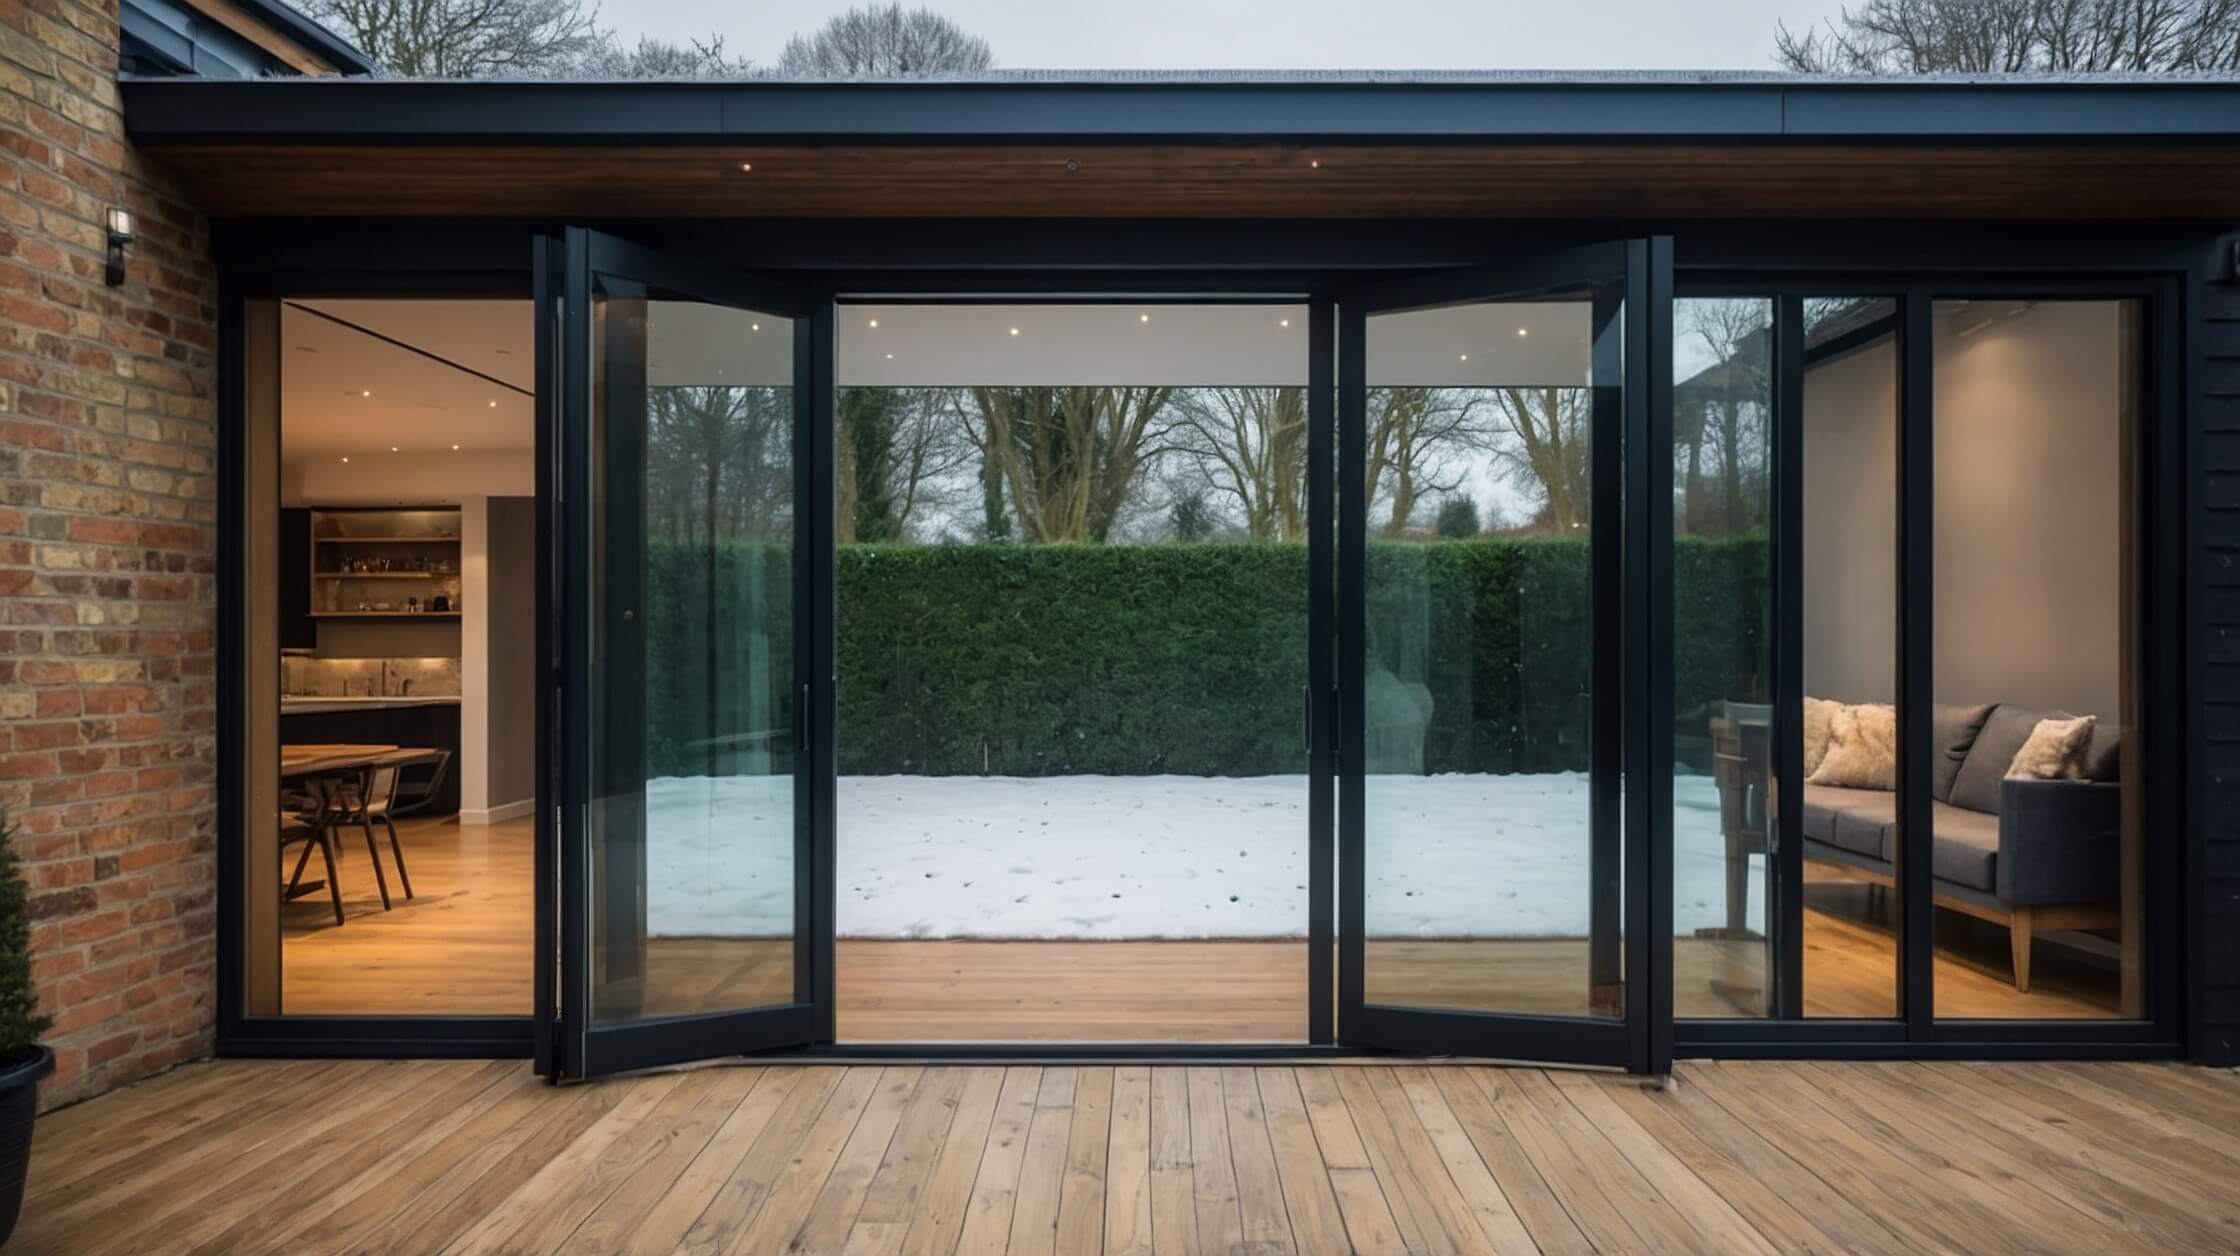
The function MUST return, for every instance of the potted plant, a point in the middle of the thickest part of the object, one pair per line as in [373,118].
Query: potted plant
[23,1059]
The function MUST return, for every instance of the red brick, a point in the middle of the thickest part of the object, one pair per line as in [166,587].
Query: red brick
[108,516]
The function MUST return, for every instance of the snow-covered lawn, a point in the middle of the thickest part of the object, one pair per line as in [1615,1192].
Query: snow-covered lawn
[1151,856]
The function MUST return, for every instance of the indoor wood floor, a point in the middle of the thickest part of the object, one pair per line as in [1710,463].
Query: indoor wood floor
[429,1156]
[462,945]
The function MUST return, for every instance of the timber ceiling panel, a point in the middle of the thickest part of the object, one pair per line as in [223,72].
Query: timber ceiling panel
[1210,181]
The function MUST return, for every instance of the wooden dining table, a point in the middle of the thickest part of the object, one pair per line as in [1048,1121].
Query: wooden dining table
[328,770]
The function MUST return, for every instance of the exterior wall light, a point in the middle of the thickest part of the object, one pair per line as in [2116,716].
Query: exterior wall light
[120,234]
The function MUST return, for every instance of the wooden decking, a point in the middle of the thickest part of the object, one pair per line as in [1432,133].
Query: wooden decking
[427,1156]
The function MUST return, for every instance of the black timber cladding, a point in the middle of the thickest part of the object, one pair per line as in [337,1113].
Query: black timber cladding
[2216,487]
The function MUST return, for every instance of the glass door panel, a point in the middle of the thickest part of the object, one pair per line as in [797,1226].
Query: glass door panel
[1483,858]
[686,861]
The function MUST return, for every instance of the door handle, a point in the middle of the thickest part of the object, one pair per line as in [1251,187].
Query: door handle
[801,717]
[1306,716]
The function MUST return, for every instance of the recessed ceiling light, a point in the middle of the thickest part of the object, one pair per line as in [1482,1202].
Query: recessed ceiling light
[392,449]
[365,392]
[873,323]
[1014,331]
[1465,357]
[493,403]
[745,167]
[1524,331]
[346,457]
[754,327]
[890,357]
[1143,318]
[1314,164]
[454,449]
[1284,323]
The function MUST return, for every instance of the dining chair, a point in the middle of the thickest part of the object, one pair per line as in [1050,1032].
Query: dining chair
[381,807]
[415,796]
[306,828]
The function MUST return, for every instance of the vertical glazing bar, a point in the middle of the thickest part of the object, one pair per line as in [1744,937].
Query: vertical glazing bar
[1916,662]
[813,376]
[573,784]
[1785,871]
[1606,551]
[1353,403]
[1321,796]
[1655,918]
[1640,766]
[544,952]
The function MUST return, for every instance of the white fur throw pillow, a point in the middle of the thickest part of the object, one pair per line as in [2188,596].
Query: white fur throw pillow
[2055,750]
[1862,749]
[1819,722]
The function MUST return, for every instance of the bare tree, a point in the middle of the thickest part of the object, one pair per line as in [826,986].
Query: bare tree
[466,38]
[655,59]
[1719,418]
[1067,458]
[1898,37]
[1542,441]
[1251,444]
[897,449]
[1416,436]
[885,41]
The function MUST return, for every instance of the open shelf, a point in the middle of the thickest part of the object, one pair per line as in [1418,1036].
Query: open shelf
[418,545]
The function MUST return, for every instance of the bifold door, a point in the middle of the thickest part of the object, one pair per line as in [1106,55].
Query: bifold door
[1497,879]
[682,633]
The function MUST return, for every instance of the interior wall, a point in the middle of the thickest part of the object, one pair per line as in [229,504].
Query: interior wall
[2029,530]
[510,616]
[1850,526]
[410,478]
[2028,510]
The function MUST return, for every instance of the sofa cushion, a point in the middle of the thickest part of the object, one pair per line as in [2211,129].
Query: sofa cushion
[1862,748]
[1857,820]
[2055,751]
[1869,828]
[1966,849]
[2103,760]
[1955,729]
[1977,785]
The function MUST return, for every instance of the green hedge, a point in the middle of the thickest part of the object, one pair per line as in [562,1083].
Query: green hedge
[1024,660]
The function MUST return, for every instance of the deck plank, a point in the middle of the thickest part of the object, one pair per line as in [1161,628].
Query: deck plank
[1746,1157]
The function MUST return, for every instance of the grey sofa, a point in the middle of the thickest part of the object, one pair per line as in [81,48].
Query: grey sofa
[2030,854]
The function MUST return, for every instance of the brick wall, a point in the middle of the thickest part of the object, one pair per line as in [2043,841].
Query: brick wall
[107,535]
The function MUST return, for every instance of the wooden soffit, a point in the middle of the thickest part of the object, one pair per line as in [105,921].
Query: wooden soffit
[1681,180]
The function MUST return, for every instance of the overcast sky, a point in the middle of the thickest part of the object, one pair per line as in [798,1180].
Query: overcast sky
[1293,34]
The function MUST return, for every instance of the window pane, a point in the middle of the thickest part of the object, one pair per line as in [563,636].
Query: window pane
[2038,841]
[1722,410]
[692,815]
[1849,815]
[1489,884]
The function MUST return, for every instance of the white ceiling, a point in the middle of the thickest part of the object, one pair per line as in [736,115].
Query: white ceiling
[346,392]
[417,403]
[927,345]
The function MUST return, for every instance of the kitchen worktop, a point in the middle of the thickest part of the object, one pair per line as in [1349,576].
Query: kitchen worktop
[308,704]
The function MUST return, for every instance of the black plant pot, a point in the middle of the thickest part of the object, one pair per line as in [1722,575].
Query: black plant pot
[19,1104]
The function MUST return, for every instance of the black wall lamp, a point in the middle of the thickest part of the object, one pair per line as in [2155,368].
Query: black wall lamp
[120,234]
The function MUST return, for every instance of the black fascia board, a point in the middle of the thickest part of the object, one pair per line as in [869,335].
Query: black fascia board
[392,111]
